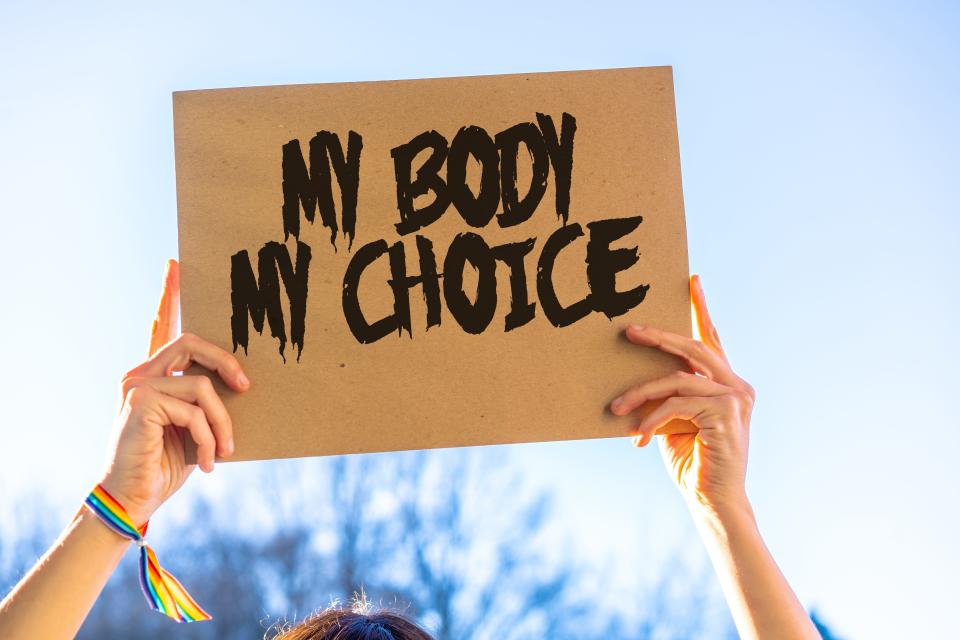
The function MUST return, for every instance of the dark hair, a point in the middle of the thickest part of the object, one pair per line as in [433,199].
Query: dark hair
[355,623]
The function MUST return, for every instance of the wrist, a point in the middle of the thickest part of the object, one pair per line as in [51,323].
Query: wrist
[730,513]
[138,513]
[86,520]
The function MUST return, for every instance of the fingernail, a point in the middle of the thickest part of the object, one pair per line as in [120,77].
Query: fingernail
[616,404]
[636,327]
[242,380]
[229,446]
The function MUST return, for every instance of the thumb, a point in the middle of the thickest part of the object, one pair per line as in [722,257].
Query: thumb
[167,321]
[706,329]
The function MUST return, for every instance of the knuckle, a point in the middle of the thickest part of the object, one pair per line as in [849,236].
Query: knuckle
[188,339]
[203,384]
[197,415]
[672,403]
[229,361]
[730,402]
[700,348]
[128,383]
[136,396]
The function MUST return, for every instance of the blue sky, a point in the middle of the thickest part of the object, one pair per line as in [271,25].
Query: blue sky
[819,150]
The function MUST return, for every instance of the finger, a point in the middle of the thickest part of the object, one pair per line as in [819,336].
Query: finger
[674,408]
[196,390]
[708,332]
[701,358]
[165,323]
[679,383]
[179,413]
[177,356]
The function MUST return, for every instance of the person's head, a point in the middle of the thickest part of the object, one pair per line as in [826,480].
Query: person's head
[356,623]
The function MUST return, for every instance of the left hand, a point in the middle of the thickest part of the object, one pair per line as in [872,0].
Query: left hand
[160,411]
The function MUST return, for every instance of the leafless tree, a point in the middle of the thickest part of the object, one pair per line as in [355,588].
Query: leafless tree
[457,539]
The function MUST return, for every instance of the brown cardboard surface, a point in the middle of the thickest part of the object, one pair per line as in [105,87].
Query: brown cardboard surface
[442,386]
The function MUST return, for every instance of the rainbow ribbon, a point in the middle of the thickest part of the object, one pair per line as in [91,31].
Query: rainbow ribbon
[164,593]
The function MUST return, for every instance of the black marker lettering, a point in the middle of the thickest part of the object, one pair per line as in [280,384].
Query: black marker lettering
[476,210]
[557,314]
[428,179]
[312,189]
[603,264]
[472,316]
[521,311]
[561,157]
[259,296]
[515,209]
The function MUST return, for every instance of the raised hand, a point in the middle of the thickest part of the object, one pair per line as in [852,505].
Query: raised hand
[709,466]
[161,410]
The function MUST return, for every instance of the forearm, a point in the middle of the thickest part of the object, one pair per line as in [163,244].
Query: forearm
[54,598]
[761,601]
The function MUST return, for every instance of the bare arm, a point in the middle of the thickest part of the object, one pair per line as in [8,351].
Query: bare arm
[761,601]
[54,598]
[147,466]
[709,467]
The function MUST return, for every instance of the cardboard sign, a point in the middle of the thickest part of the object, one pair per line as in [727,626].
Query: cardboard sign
[432,263]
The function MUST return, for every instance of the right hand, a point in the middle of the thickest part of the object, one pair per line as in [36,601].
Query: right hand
[709,466]
[160,411]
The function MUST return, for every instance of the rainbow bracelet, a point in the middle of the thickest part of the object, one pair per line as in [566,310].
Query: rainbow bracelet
[164,593]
